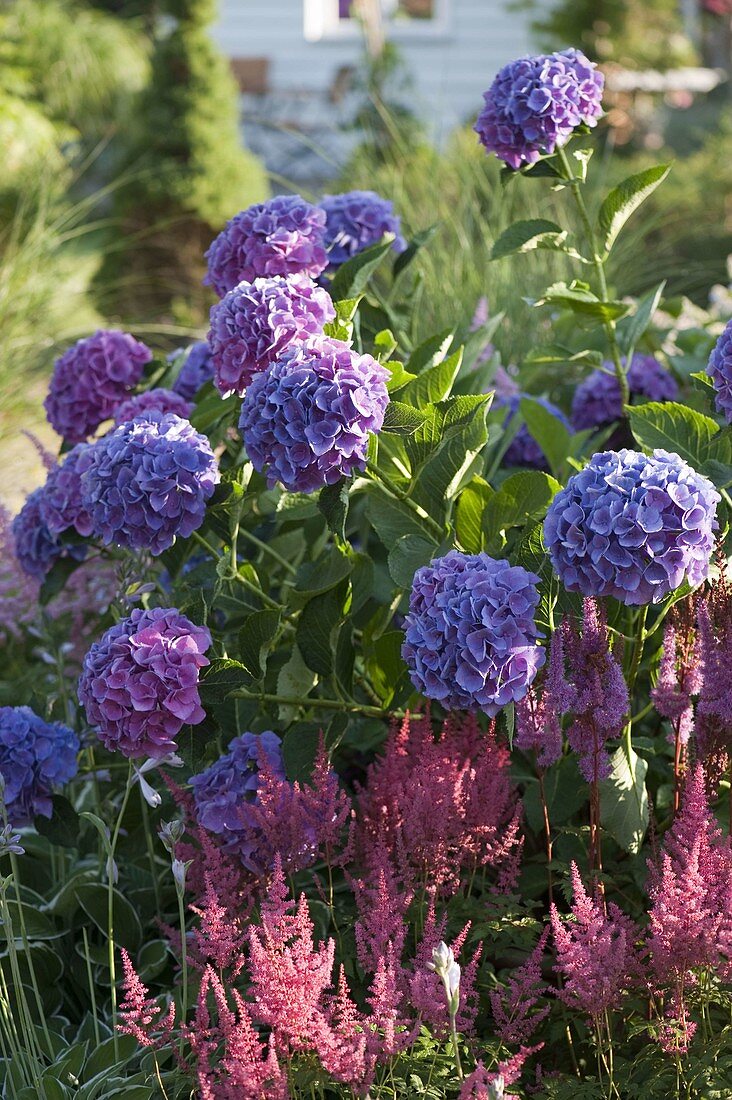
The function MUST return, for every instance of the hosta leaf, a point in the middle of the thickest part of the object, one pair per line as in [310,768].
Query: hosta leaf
[624,801]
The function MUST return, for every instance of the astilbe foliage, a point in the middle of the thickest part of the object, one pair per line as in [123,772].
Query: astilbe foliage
[255,324]
[596,952]
[91,379]
[442,805]
[470,639]
[600,695]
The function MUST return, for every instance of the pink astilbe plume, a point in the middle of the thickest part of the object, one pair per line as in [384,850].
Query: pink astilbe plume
[600,693]
[596,954]
[344,1048]
[390,1029]
[232,1062]
[443,805]
[482,1085]
[141,1015]
[714,708]
[520,1006]
[539,717]
[289,974]
[382,903]
[690,914]
[426,992]
[219,936]
[679,673]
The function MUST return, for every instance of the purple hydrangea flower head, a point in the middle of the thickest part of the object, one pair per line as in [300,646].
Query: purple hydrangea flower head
[597,399]
[355,221]
[36,758]
[139,682]
[60,501]
[196,370]
[36,548]
[283,236]
[470,635]
[148,482]
[523,450]
[719,369]
[535,103]
[157,400]
[308,416]
[255,323]
[91,379]
[223,792]
[632,526]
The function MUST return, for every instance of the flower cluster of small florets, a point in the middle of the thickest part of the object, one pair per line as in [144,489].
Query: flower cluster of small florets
[36,758]
[597,400]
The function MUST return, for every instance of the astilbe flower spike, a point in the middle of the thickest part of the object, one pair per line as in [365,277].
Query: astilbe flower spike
[485,1085]
[535,103]
[539,715]
[308,418]
[141,1015]
[714,707]
[632,526]
[426,993]
[148,482]
[470,639]
[256,323]
[139,684]
[517,1007]
[283,236]
[679,675]
[596,953]
[91,379]
[600,695]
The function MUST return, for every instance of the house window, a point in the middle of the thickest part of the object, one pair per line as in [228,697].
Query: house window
[334,19]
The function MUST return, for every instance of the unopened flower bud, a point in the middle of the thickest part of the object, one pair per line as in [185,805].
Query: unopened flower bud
[496,1088]
[179,874]
[170,833]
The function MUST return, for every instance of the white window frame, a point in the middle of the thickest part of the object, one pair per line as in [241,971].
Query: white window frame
[322,24]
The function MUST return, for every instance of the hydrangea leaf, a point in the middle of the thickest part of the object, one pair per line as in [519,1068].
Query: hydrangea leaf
[352,277]
[418,241]
[526,236]
[673,427]
[407,555]
[625,199]
[549,432]
[317,628]
[255,639]
[469,515]
[522,497]
[624,800]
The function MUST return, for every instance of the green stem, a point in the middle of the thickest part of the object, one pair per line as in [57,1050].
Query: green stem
[183,959]
[393,489]
[110,908]
[598,263]
[150,845]
[235,575]
[350,706]
[274,554]
[90,979]
[28,955]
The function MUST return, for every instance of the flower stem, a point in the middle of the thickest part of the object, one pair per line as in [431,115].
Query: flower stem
[393,489]
[350,706]
[288,566]
[598,263]
[235,575]
[639,641]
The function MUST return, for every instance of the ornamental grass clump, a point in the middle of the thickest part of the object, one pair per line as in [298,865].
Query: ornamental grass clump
[307,420]
[470,635]
[139,683]
[148,481]
[91,380]
[256,323]
[632,526]
[282,236]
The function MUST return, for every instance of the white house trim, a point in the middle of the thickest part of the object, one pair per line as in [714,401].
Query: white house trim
[323,24]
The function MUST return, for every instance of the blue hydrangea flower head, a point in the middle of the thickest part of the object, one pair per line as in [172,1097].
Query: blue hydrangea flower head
[632,526]
[283,236]
[91,379]
[535,103]
[223,792]
[157,400]
[523,450]
[36,759]
[139,682]
[597,399]
[719,369]
[308,417]
[60,503]
[355,221]
[148,482]
[36,549]
[255,324]
[196,370]
[470,637]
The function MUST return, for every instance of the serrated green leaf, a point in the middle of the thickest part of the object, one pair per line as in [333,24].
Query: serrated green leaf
[673,427]
[317,627]
[624,800]
[434,350]
[255,638]
[525,236]
[333,502]
[469,515]
[391,518]
[402,419]
[445,472]
[625,199]
[432,385]
[407,555]
[522,498]
[295,681]
[351,278]
[578,298]
[554,439]
[220,678]
[630,329]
